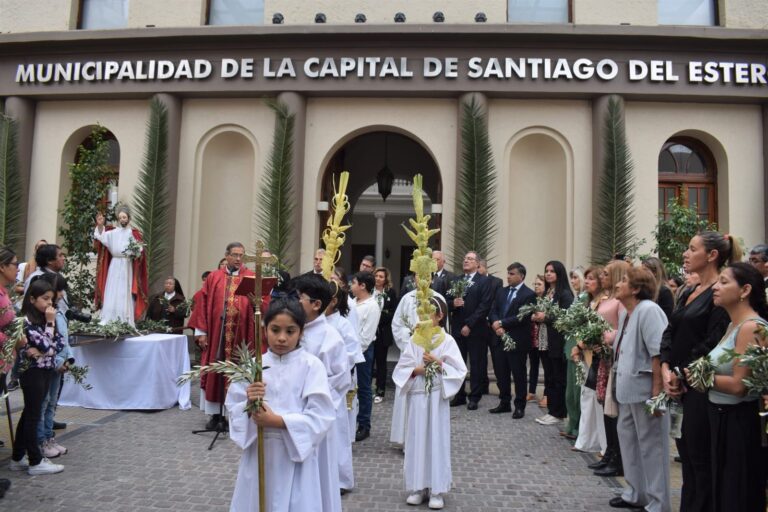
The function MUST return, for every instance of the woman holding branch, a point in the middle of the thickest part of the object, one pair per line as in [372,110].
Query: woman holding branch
[296,415]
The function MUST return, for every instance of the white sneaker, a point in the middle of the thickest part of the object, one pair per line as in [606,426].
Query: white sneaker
[48,450]
[543,419]
[436,502]
[57,446]
[46,467]
[549,421]
[417,498]
[378,399]
[19,465]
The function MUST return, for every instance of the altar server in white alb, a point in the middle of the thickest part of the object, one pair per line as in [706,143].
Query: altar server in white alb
[322,340]
[427,465]
[336,316]
[403,322]
[297,415]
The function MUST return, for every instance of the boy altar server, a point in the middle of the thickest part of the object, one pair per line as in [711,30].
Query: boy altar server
[296,418]
[427,465]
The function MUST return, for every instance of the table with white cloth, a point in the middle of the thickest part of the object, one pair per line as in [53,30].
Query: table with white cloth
[134,373]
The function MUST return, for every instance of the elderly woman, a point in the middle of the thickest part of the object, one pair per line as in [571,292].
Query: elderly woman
[644,438]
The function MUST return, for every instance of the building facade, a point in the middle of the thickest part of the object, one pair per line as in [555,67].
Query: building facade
[381,84]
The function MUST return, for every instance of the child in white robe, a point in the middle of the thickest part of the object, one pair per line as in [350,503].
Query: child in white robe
[335,315]
[296,417]
[427,465]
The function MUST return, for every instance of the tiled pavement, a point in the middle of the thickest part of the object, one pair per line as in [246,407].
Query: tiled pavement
[138,461]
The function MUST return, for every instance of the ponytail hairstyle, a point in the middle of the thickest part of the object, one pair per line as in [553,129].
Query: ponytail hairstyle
[728,248]
[746,274]
[338,293]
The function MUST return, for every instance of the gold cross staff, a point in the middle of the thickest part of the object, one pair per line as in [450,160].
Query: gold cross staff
[259,259]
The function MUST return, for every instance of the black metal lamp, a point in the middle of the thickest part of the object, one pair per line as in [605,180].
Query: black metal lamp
[277,19]
[384,178]
[320,18]
[400,17]
[360,18]
[480,17]
[438,17]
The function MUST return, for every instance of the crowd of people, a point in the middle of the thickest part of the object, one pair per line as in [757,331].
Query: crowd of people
[327,343]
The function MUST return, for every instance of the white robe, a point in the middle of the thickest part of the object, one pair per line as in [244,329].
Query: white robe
[346,420]
[118,301]
[297,390]
[322,340]
[427,462]
[403,321]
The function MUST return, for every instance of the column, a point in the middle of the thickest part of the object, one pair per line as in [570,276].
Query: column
[765,169]
[22,111]
[297,105]
[172,105]
[379,237]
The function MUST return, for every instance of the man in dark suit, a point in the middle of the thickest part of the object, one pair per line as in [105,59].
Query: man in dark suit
[469,326]
[503,317]
[495,284]
[441,281]
[758,257]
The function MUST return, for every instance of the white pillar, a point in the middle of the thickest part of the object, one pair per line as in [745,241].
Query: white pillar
[379,238]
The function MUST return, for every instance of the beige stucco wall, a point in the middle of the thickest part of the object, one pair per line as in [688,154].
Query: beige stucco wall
[168,13]
[202,121]
[37,15]
[733,133]
[615,12]
[332,122]
[523,202]
[54,125]
[744,14]
[378,12]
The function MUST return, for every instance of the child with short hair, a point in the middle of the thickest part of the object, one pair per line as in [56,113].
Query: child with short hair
[427,465]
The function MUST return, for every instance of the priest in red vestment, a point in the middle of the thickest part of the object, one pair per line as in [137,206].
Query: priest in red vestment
[209,311]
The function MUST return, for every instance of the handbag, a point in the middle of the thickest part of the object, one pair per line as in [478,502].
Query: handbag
[603,369]
[611,407]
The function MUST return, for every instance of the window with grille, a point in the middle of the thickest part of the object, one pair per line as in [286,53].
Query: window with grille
[687,173]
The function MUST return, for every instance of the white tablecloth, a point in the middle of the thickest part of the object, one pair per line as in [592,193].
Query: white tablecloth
[136,373]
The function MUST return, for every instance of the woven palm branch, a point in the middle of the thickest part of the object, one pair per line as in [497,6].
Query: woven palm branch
[276,198]
[151,201]
[475,224]
[10,184]
[614,228]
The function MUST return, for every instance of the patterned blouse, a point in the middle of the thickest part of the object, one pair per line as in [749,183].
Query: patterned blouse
[7,314]
[44,339]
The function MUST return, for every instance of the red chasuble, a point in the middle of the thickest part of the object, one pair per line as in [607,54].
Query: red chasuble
[238,325]
[140,284]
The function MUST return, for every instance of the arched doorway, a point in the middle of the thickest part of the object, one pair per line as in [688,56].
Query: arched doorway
[376,223]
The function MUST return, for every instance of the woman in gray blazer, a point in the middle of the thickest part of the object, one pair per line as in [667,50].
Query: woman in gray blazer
[644,438]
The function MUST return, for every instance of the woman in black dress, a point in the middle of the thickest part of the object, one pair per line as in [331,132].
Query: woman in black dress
[695,327]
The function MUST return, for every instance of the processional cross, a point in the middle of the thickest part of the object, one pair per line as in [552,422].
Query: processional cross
[259,259]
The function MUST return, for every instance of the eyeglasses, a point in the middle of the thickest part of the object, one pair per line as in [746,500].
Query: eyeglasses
[236,256]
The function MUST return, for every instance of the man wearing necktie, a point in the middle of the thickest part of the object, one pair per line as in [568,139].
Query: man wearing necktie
[469,326]
[503,318]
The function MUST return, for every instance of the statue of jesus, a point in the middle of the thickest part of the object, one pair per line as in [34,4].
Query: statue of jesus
[121,270]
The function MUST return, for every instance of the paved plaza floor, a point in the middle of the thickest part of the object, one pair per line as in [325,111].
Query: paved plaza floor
[129,461]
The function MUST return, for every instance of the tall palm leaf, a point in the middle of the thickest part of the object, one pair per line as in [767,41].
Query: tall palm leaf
[475,224]
[614,229]
[150,200]
[276,200]
[10,184]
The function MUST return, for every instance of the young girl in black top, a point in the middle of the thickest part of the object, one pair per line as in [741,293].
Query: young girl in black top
[695,327]
[43,342]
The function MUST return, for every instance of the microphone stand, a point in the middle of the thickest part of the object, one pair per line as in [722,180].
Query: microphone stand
[220,426]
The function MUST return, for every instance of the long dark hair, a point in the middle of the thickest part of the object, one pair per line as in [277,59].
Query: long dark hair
[6,255]
[36,289]
[338,293]
[562,285]
[746,274]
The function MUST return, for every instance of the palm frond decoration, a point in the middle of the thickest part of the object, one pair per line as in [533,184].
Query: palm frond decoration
[10,184]
[150,200]
[614,228]
[475,224]
[276,200]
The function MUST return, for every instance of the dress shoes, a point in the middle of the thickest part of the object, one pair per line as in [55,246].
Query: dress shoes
[519,413]
[212,422]
[59,425]
[472,406]
[618,502]
[458,401]
[362,434]
[502,407]
[609,470]
[600,464]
